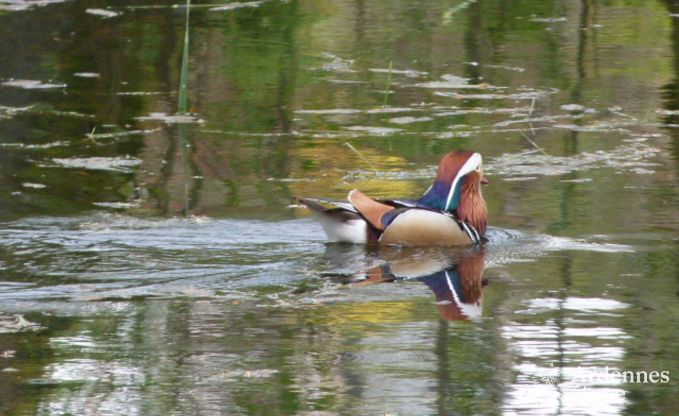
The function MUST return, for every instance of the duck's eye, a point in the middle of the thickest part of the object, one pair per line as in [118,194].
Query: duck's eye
[478,168]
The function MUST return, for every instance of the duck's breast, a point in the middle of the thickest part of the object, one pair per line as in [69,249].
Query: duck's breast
[420,227]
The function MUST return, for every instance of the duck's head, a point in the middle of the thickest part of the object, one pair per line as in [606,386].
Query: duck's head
[457,188]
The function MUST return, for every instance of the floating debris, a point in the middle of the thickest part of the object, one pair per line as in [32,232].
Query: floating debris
[410,73]
[528,95]
[7,354]
[520,178]
[338,111]
[390,110]
[337,64]
[377,131]
[12,323]
[121,133]
[6,112]
[448,81]
[548,19]
[344,81]
[116,164]
[456,111]
[330,111]
[507,67]
[19,5]
[409,120]
[35,146]
[630,157]
[86,74]
[140,93]
[580,180]
[667,112]
[240,373]
[33,185]
[118,205]
[577,108]
[171,119]
[236,5]
[107,14]
[28,84]
[543,119]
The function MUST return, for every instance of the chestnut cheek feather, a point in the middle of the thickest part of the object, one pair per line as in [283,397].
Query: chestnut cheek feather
[472,208]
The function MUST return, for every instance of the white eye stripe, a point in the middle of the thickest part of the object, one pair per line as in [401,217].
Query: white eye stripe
[474,160]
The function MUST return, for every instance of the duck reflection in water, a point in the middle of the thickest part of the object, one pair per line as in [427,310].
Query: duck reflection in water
[455,277]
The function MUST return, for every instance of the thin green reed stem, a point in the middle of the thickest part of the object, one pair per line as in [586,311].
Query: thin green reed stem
[183,105]
[183,108]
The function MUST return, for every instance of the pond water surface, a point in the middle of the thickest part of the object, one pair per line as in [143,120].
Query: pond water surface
[156,265]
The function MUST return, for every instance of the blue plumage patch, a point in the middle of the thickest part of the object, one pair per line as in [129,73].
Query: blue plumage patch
[437,195]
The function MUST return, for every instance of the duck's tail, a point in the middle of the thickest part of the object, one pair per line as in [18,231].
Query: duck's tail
[340,221]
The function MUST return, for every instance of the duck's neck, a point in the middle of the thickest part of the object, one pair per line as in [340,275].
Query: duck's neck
[472,208]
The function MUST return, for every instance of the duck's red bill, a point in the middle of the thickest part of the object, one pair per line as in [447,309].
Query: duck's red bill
[484,181]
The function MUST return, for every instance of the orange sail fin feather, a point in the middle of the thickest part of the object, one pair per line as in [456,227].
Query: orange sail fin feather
[370,209]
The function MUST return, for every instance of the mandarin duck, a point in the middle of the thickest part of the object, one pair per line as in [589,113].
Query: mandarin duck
[452,212]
